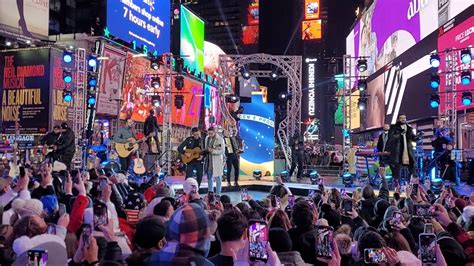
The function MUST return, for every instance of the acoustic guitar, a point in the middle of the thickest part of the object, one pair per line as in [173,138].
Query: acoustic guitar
[194,153]
[126,148]
[138,165]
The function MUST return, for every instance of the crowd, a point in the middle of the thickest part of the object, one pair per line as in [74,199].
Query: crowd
[99,218]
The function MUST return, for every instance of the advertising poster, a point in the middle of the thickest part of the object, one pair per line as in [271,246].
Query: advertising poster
[62,111]
[257,129]
[311,9]
[25,17]
[192,40]
[460,36]
[145,22]
[211,103]
[24,91]
[311,29]
[110,87]
[250,30]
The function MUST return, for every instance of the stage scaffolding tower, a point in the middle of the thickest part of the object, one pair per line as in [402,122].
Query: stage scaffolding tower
[346,111]
[79,103]
[166,144]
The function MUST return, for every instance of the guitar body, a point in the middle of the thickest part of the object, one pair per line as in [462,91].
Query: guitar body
[195,153]
[138,166]
[126,148]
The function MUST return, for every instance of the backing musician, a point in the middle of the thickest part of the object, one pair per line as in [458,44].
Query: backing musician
[233,148]
[50,141]
[151,127]
[66,146]
[382,145]
[123,134]
[196,164]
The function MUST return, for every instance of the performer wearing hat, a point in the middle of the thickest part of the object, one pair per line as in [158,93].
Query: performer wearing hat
[66,146]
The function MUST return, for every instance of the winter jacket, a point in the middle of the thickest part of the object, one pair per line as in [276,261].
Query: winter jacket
[77,213]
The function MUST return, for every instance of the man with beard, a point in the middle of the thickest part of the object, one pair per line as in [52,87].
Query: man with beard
[401,138]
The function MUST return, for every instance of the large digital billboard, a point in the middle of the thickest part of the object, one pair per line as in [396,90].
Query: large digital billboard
[311,9]
[192,40]
[28,18]
[250,30]
[311,29]
[147,23]
[110,87]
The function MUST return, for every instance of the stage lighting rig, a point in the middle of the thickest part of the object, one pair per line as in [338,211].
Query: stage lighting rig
[92,61]
[156,100]
[434,82]
[314,177]
[283,96]
[178,101]
[91,99]
[274,75]
[67,76]
[466,98]
[362,65]
[155,82]
[179,64]
[434,60]
[232,98]
[466,77]
[434,100]
[67,95]
[92,81]
[67,57]
[466,55]
[179,82]
[362,103]
[244,72]
[362,85]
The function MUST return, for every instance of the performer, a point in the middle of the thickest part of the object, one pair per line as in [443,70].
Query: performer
[50,140]
[66,145]
[151,127]
[123,134]
[382,144]
[448,166]
[214,164]
[297,154]
[192,142]
[233,149]
[401,140]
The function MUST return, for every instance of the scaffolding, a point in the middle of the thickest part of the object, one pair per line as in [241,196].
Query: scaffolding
[166,144]
[79,103]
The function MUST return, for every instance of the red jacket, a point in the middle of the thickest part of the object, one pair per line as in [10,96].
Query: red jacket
[77,213]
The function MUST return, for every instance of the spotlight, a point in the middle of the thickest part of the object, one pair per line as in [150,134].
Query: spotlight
[178,101]
[92,61]
[91,99]
[362,65]
[362,85]
[314,177]
[257,174]
[8,43]
[155,82]
[154,64]
[346,133]
[466,77]
[466,56]
[347,179]
[92,81]
[67,57]
[244,72]
[156,100]
[67,76]
[67,96]
[232,98]
[434,60]
[283,96]
[179,63]
[28,41]
[179,82]
[284,176]
[274,75]
[466,98]
[434,100]
[434,82]
[362,104]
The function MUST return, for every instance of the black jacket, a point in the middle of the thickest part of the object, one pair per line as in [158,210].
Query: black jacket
[380,147]
[49,139]
[151,125]
[396,143]
[66,144]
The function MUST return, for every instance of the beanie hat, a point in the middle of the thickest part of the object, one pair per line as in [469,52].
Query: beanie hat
[32,206]
[380,207]
[163,190]
[279,240]
[50,204]
[225,199]
[149,232]
[188,185]
[468,213]
[460,204]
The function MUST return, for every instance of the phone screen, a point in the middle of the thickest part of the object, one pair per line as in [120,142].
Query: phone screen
[62,209]
[22,171]
[343,192]
[428,228]
[428,248]
[311,194]
[86,234]
[210,197]
[103,183]
[75,177]
[415,189]
[291,201]
[37,257]
[258,238]
[275,201]
[374,256]
[347,205]
[423,210]
[51,229]
[324,241]
[244,194]
[100,215]
[396,218]
[320,181]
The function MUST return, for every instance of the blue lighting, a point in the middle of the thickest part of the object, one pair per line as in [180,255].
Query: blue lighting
[434,104]
[91,100]
[92,62]
[92,82]
[466,79]
[434,84]
[434,60]
[67,57]
[466,56]
[67,79]
[466,101]
[67,97]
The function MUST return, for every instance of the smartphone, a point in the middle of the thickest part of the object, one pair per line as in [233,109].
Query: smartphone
[423,210]
[258,240]
[414,190]
[86,234]
[22,171]
[103,183]
[343,192]
[323,238]
[374,256]
[275,201]
[100,216]
[320,181]
[311,194]
[75,177]
[244,194]
[291,201]
[180,200]
[62,209]
[427,244]
[347,205]
[51,229]
[210,197]
[396,218]
[428,228]
[37,257]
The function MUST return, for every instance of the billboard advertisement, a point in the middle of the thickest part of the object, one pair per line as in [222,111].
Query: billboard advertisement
[110,84]
[311,9]
[311,29]
[147,23]
[250,30]
[192,40]
[27,18]
[257,129]
[458,37]
[24,91]
[388,28]
[211,103]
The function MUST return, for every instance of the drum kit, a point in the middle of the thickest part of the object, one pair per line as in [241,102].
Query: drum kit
[103,156]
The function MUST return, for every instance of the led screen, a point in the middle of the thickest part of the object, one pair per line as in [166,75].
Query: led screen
[28,18]
[250,31]
[311,29]
[311,10]
[192,40]
[145,22]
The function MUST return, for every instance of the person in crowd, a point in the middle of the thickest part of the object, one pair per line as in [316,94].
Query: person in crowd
[214,160]
[279,219]
[149,238]
[49,142]
[123,135]
[163,210]
[195,165]
[233,149]
[302,236]
[66,146]
[151,130]
[281,243]
[297,154]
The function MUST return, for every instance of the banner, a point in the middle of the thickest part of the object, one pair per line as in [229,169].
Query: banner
[29,18]
[24,91]
[62,111]
[110,87]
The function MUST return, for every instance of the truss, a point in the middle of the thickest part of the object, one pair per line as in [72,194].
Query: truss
[289,67]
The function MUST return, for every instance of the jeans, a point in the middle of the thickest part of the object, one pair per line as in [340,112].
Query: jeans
[210,183]
[124,163]
[296,159]
[195,165]
[232,160]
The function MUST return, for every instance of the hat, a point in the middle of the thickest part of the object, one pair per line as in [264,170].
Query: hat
[279,240]
[30,206]
[468,213]
[53,244]
[50,204]
[225,199]
[380,207]
[189,225]
[149,232]
[59,166]
[163,189]
[188,184]
[64,125]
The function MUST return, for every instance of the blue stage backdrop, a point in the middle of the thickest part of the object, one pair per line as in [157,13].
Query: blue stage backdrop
[145,22]
[257,129]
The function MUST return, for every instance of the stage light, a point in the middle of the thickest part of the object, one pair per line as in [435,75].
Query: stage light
[362,85]
[154,64]
[466,98]
[434,60]
[67,96]
[67,57]
[434,100]
[92,61]
[91,100]
[178,101]
[232,98]
[155,82]
[466,56]
[92,81]
[179,82]
[257,174]
[284,176]
[346,133]
[156,100]
[274,75]
[434,82]
[313,177]
[466,77]
[67,76]
[347,179]
[362,65]
[179,63]
[283,96]
[8,43]
[362,103]
[244,72]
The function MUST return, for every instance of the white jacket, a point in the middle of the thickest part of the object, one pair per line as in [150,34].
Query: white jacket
[217,155]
